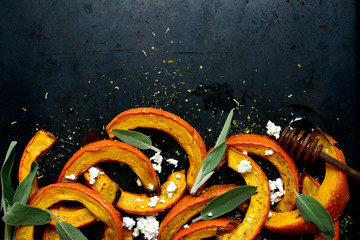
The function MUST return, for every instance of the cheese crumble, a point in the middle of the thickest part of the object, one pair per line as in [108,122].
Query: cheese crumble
[276,190]
[128,223]
[170,189]
[71,177]
[148,226]
[272,129]
[172,161]
[153,201]
[269,152]
[94,173]
[244,166]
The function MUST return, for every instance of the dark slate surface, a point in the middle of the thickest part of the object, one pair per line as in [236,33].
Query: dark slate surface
[276,59]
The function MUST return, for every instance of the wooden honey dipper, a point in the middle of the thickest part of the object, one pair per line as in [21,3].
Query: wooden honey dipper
[305,148]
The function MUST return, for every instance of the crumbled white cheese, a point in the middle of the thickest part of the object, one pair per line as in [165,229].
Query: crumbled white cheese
[153,201]
[272,129]
[270,214]
[186,226]
[157,158]
[71,177]
[170,189]
[269,152]
[178,176]
[162,201]
[172,161]
[148,226]
[150,187]
[94,173]
[157,167]
[210,214]
[138,182]
[244,166]
[139,200]
[128,222]
[276,190]
[245,152]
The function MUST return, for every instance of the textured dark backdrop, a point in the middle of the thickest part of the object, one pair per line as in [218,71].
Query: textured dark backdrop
[198,59]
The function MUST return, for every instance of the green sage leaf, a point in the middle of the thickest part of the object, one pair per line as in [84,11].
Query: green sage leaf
[67,231]
[227,202]
[225,130]
[198,184]
[135,139]
[315,213]
[6,184]
[22,214]
[214,157]
[23,190]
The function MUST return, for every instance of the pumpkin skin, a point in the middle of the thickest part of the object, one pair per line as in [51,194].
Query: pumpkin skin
[310,186]
[93,201]
[259,206]
[258,144]
[205,229]
[39,145]
[186,208]
[333,194]
[187,137]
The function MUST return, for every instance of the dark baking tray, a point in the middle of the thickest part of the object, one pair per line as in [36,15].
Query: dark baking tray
[277,59]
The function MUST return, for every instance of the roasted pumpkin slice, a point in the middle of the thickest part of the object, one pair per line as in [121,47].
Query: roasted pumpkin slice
[111,151]
[171,191]
[93,201]
[259,206]
[205,229]
[333,194]
[107,188]
[49,233]
[268,149]
[310,186]
[187,137]
[186,208]
[109,234]
[39,144]
[77,216]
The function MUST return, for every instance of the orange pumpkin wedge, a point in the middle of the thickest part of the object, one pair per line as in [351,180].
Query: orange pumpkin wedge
[205,229]
[186,208]
[109,189]
[139,203]
[258,145]
[310,186]
[111,151]
[93,201]
[136,203]
[333,194]
[39,144]
[259,207]
[187,137]
[109,234]
[49,233]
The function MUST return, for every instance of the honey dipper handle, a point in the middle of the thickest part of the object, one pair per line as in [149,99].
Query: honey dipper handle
[343,167]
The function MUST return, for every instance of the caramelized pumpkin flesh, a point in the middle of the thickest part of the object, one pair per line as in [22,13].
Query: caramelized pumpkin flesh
[187,137]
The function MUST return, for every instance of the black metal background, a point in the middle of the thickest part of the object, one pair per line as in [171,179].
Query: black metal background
[197,59]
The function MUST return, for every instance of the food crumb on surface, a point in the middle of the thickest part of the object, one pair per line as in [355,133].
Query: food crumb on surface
[170,189]
[186,226]
[128,223]
[153,201]
[269,152]
[147,226]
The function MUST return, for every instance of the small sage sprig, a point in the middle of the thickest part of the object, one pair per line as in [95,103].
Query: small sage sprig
[226,202]
[13,203]
[214,157]
[313,212]
[135,139]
